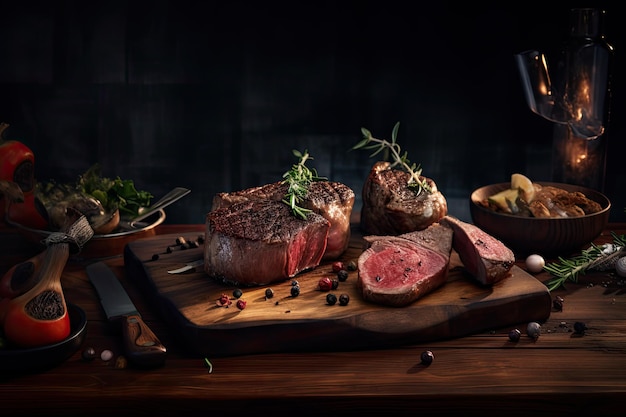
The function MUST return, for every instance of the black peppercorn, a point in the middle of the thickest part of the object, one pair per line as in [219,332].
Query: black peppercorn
[237,293]
[514,335]
[89,354]
[295,290]
[342,275]
[580,327]
[557,303]
[331,299]
[269,293]
[427,357]
[344,299]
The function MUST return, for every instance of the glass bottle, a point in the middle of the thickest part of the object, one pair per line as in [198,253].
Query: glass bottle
[583,81]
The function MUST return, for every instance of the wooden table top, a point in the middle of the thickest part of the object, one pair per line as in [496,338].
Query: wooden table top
[561,373]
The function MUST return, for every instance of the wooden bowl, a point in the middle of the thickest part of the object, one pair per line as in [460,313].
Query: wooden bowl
[561,236]
[101,245]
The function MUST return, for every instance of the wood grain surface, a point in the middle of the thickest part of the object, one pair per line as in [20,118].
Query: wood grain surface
[284,323]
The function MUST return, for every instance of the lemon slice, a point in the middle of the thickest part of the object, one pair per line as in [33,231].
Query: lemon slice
[524,185]
[506,200]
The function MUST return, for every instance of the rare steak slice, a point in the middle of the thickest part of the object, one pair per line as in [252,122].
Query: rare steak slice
[333,200]
[390,207]
[486,258]
[257,242]
[397,270]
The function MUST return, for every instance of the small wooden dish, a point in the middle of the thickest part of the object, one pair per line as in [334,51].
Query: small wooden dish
[545,236]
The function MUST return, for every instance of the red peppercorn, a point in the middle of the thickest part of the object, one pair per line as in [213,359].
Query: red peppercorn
[224,301]
[337,266]
[241,304]
[325,284]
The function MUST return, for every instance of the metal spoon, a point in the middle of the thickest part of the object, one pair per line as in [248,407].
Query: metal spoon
[169,198]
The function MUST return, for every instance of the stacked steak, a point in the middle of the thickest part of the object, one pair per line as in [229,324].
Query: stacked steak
[397,270]
[391,207]
[486,258]
[260,241]
[332,200]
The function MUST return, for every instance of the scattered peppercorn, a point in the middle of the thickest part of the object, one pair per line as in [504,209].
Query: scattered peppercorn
[342,275]
[352,266]
[181,240]
[557,303]
[325,284]
[121,362]
[155,257]
[201,239]
[427,357]
[533,330]
[344,299]
[294,282]
[193,244]
[335,284]
[295,290]
[241,304]
[237,293]
[89,354]
[106,355]
[514,335]
[580,327]
[269,293]
[337,266]
[224,301]
[168,250]
[331,299]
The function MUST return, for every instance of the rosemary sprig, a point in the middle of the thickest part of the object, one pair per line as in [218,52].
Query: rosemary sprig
[399,159]
[570,269]
[299,177]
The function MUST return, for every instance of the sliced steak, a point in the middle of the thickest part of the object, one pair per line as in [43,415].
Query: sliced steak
[486,258]
[397,270]
[333,200]
[257,242]
[390,207]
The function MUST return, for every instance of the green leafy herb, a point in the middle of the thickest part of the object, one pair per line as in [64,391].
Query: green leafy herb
[299,177]
[113,193]
[415,182]
[570,269]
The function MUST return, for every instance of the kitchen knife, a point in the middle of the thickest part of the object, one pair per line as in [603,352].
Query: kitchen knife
[187,267]
[142,347]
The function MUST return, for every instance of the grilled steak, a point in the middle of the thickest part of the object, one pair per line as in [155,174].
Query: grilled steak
[397,270]
[257,242]
[390,207]
[486,258]
[333,200]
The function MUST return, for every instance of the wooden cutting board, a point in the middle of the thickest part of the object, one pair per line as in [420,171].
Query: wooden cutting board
[188,302]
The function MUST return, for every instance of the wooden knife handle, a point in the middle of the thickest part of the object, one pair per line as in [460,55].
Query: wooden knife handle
[142,346]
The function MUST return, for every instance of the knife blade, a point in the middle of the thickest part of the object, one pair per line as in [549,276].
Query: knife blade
[187,267]
[141,346]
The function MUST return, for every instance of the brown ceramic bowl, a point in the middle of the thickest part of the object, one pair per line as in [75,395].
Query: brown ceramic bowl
[102,245]
[544,236]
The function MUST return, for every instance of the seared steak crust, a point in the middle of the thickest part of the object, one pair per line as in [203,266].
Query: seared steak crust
[333,200]
[257,242]
[390,207]
[397,270]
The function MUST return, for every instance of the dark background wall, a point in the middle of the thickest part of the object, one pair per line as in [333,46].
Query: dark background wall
[214,95]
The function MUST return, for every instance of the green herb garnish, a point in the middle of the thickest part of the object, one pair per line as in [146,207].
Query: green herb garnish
[113,193]
[415,182]
[570,269]
[299,177]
